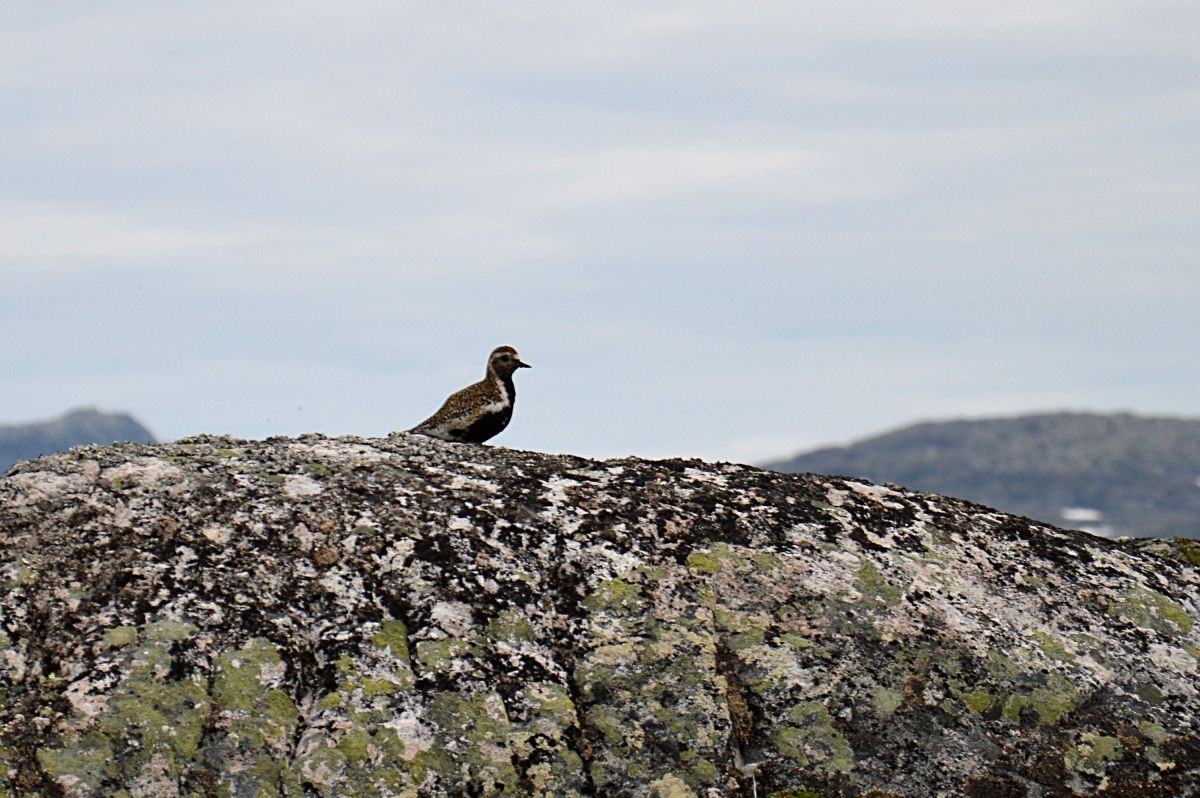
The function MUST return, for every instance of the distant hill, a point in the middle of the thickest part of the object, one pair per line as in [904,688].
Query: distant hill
[76,428]
[1113,474]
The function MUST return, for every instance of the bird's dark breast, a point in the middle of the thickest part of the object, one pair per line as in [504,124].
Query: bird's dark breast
[487,426]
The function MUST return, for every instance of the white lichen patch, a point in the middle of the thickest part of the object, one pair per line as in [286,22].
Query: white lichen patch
[1173,658]
[556,491]
[704,475]
[461,482]
[458,524]
[877,493]
[339,452]
[301,486]
[147,474]
[453,618]
[217,534]
[31,488]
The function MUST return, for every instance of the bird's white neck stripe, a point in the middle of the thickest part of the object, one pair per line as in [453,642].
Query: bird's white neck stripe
[499,383]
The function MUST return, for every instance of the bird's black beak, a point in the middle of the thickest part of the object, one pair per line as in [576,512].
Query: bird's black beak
[523,365]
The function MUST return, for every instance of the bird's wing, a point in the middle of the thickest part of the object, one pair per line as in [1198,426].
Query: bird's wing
[452,414]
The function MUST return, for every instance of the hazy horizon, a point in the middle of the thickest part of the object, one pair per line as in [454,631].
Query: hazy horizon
[857,439]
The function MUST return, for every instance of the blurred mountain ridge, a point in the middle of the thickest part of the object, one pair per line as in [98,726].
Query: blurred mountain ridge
[77,427]
[1107,473]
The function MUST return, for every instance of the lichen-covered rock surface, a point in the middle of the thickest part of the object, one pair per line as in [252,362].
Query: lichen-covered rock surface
[405,617]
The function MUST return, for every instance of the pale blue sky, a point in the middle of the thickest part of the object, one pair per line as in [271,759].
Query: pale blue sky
[729,230]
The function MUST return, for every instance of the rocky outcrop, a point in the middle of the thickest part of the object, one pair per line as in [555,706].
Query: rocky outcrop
[405,617]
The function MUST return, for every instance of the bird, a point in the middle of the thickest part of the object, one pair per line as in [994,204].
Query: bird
[480,411]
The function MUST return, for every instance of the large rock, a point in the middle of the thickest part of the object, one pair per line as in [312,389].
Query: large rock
[404,617]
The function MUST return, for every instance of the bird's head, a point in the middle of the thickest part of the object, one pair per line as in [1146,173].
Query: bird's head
[504,360]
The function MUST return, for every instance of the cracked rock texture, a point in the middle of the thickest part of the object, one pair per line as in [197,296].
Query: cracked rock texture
[405,617]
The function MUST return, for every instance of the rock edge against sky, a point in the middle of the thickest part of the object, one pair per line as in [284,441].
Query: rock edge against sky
[403,617]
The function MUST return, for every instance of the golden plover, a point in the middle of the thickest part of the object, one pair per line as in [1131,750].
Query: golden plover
[482,410]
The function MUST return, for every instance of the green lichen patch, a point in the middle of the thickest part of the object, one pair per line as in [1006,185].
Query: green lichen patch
[168,631]
[765,561]
[812,741]
[118,637]
[257,720]
[615,595]
[512,626]
[1051,646]
[653,698]
[1149,692]
[155,721]
[383,686]
[1049,703]
[671,786]
[876,590]
[242,675]
[355,745]
[469,744]
[1093,753]
[1189,550]
[393,635]
[1150,609]
[886,701]
[1157,735]
[441,655]
[703,562]
[1002,667]
[977,701]
[83,767]
[721,555]
[746,639]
